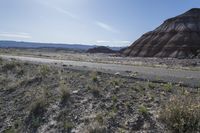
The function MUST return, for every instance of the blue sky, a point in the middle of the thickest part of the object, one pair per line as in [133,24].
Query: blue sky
[99,22]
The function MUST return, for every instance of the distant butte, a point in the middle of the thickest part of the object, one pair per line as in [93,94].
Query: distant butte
[100,49]
[177,37]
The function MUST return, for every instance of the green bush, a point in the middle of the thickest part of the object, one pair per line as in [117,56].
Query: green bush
[168,87]
[143,110]
[182,114]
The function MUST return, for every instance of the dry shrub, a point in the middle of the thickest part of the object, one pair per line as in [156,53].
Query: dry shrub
[95,127]
[44,70]
[37,110]
[182,114]
[65,92]
[10,66]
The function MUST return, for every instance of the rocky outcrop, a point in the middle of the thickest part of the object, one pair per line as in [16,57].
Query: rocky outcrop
[100,49]
[177,37]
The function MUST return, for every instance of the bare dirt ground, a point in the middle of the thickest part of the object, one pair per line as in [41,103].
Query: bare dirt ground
[186,64]
[50,98]
[182,71]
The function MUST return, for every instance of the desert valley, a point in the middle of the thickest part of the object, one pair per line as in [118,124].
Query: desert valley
[151,86]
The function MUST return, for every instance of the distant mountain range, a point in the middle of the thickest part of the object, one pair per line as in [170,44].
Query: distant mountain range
[16,44]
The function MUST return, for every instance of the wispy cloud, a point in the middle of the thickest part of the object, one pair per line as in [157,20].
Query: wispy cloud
[58,9]
[66,12]
[16,35]
[106,27]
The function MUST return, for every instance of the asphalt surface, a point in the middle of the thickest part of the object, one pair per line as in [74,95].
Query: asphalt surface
[185,77]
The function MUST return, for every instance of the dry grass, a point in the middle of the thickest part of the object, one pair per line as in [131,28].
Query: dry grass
[182,114]
[38,108]
[44,70]
[65,92]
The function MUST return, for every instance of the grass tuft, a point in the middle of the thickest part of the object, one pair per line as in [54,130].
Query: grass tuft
[65,92]
[37,110]
[44,70]
[143,110]
[68,126]
[168,87]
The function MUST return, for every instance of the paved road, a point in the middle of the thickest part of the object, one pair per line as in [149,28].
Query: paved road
[190,78]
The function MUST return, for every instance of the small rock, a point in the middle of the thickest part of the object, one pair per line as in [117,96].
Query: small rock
[146,125]
[117,73]
[75,92]
[134,74]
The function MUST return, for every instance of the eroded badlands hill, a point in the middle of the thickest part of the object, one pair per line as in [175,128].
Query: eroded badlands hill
[177,37]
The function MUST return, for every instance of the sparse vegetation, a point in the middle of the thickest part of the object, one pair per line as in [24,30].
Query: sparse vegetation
[34,100]
[65,92]
[95,127]
[1,61]
[94,76]
[143,110]
[44,70]
[68,126]
[182,114]
[139,88]
[115,82]
[37,110]
[38,107]
[128,105]
[114,109]
[168,87]
[95,79]
[151,85]
[99,119]
[11,130]
[95,91]
[114,98]
[10,66]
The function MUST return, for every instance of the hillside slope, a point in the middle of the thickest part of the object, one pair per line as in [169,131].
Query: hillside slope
[177,37]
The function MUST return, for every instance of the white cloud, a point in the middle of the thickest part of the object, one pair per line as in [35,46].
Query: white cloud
[102,41]
[16,35]
[106,27]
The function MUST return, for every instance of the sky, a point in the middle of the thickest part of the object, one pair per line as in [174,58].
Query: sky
[93,22]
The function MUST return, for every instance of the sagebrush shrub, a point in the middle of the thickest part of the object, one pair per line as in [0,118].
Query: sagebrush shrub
[182,114]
